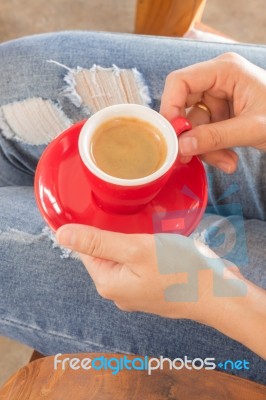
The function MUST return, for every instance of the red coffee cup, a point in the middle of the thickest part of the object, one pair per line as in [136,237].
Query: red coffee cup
[126,196]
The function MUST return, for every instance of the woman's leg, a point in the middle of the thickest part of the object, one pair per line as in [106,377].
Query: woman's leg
[50,302]
[47,301]
[26,74]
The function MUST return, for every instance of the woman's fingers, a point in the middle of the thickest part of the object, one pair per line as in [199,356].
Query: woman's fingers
[97,243]
[230,87]
[219,108]
[238,131]
[225,160]
[191,83]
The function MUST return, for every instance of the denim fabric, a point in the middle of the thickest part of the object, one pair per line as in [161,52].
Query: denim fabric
[50,302]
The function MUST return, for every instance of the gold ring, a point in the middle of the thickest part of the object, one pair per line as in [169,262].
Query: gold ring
[202,106]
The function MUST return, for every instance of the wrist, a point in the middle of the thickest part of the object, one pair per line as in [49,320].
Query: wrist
[243,318]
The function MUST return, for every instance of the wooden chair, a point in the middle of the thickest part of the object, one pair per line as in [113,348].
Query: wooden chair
[172,18]
[167,17]
[39,380]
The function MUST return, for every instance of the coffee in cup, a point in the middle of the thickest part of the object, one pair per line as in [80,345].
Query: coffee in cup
[128,148]
[125,184]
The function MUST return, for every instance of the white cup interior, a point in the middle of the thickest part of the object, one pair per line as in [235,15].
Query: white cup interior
[135,111]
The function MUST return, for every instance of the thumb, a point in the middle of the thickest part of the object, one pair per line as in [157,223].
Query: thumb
[238,131]
[95,242]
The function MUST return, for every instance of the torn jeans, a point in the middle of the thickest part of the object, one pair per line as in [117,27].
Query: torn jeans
[47,299]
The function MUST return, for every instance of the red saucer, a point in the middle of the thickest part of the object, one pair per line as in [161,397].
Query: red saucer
[64,195]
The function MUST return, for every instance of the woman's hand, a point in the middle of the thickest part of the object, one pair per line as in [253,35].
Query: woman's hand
[234,90]
[142,272]
[137,271]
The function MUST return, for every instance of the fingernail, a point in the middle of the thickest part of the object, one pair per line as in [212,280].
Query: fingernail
[65,236]
[188,145]
[226,167]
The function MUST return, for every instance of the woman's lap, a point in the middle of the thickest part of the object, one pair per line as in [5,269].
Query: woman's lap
[50,302]
[27,74]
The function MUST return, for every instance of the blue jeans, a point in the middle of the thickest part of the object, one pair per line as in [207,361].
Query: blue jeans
[47,299]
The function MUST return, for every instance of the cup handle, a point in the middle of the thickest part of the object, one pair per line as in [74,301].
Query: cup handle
[180,125]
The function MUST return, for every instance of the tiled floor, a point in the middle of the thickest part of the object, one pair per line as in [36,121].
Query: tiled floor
[242,20]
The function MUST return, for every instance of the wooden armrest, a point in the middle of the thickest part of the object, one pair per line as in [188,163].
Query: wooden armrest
[39,380]
[167,17]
